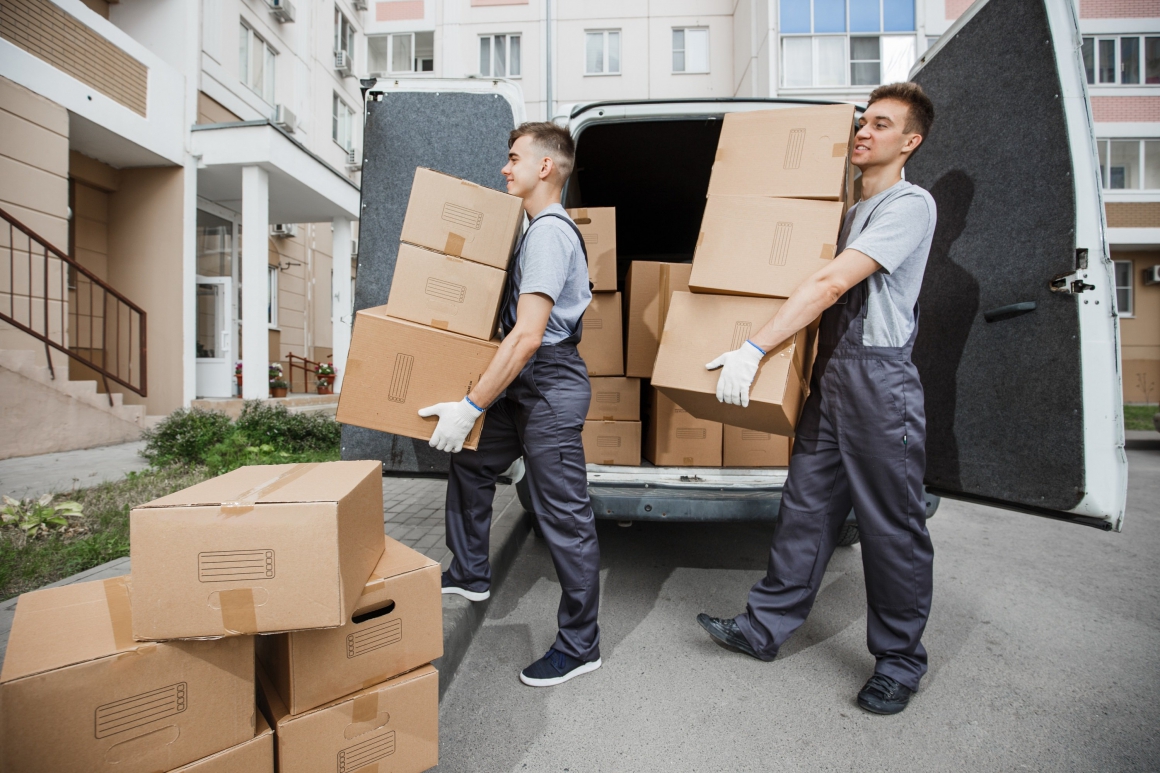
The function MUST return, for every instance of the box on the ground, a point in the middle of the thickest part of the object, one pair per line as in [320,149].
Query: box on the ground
[793,152]
[460,218]
[253,756]
[699,329]
[598,227]
[678,439]
[78,693]
[602,341]
[648,289]
[612,442]
[448,293]
[389,726]
[756,245]
[753,448]
[396,626]
[614,398]
[396,367]
[261,549]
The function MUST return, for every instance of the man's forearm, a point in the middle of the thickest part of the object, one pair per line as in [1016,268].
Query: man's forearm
[803,307]
[513,354]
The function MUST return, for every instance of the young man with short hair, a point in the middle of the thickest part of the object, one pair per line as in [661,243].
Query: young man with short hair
[861,438]
[536,393]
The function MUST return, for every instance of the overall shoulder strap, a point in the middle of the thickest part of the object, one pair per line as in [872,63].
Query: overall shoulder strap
[575,230]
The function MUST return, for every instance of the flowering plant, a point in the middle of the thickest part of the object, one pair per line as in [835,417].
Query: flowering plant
[238,368]
[275,372]
[324,369]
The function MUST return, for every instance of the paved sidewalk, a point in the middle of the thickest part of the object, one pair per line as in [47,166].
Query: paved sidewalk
[30,476]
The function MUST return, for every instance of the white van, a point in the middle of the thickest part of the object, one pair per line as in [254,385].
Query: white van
[1018,346]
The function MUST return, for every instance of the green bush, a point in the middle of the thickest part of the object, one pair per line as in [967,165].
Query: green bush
[185,437]
[267,424]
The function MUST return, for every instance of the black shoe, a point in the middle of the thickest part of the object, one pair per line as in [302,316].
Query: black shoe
[450,586]
[728,634]
[884,695]
[555,668]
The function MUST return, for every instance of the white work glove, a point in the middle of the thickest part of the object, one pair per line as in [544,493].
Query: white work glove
[455,423]
[738,369]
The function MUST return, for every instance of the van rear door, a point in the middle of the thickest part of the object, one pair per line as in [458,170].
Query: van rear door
[1019,341]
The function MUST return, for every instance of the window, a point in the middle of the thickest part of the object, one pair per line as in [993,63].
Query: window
[342,123]
[691,50]
[272,296]
[403,52]
[602,52]
[1131,165]
[1127,60]
[499,56]
[343,34]
[1124,270]
[256,60]
[829,43]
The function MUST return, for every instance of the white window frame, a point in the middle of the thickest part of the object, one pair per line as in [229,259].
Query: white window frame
[248,38]
[620,52]
[491,40]
[847,62]
[344,42]
[389,38]
[1130,287]
[685,51]
[272,296]
[1104,143]
[1118,57]
[337,120]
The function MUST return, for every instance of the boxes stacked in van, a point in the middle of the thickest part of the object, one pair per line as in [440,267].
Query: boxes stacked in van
[156,671]
[435,336]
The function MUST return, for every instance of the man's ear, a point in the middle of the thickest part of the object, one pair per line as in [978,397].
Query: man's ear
[547,167]
[912,143]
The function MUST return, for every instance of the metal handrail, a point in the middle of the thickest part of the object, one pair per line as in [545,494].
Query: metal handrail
[308,367]
[107,320]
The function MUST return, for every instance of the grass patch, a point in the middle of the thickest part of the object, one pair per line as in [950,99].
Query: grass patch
[1140,417]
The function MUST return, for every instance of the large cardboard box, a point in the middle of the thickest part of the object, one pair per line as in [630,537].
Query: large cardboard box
[396,367]
[602,341]
[258,550]
[598,227]
[793,152]
[755,245]
[752,448]
[460,218]
[648,289]
[253,756]
[447,293]
[614,398]
[678,439]
[396,626]
[701,328]
[612,442]
[77,693]
[393,726]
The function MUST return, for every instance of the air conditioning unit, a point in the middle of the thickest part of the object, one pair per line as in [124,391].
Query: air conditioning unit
[353,160]
[283,10]
[284,118]
[284,230]
[1152,275]
[359,5]
[354,248]
[342,62]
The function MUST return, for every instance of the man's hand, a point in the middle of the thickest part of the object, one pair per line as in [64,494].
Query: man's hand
[738,368]
[455,423]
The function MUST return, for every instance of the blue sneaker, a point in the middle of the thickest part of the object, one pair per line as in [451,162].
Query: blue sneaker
[450,586]
[555,668]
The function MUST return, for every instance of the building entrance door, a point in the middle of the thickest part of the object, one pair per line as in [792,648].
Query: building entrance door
[215,362]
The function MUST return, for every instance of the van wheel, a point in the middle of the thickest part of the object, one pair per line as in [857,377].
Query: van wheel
[525,498]
[848,535]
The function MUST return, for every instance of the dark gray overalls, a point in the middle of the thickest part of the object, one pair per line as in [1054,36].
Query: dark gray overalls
[861,441]
[539,417]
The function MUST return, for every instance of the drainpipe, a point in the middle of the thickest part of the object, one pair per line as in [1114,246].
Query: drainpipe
[548,53]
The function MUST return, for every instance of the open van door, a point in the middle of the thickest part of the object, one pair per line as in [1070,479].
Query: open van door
[1018,347]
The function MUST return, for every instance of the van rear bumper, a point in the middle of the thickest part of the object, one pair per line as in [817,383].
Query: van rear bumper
[685,494]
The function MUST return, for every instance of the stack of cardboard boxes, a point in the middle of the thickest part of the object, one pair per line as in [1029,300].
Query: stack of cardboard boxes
[156,672]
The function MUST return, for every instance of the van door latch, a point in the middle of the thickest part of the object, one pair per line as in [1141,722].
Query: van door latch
[1070,284]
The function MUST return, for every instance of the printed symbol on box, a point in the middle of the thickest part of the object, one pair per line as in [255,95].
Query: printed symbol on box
[691,433]
[592,238]
[794,148]
[227,565]
[782,233]
[595,323]
[366,753]
[741,333]
[122,715]
[445,291]
[469,218]
[401,378]
[373,638]
[607,441]
[608,397]
[752,434]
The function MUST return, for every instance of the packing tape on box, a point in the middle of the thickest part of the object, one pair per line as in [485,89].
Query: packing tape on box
[840,149]
[581,217]
[454,245]
[245,501]
[439,324]
[365,709]
[828,251]
[374,583]
[120,613]
[238,612]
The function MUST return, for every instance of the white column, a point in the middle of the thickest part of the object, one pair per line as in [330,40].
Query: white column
[343,303]
[255,259]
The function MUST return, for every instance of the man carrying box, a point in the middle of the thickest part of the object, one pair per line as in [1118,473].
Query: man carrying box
[861,437]
[540,416]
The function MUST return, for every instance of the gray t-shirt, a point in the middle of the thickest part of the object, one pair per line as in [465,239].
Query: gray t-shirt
[552,262]
[898,238]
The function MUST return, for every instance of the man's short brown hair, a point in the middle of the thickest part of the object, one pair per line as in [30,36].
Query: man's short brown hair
[920,110]
[554,141]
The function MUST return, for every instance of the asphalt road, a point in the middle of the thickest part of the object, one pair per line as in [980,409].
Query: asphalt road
[1044,644]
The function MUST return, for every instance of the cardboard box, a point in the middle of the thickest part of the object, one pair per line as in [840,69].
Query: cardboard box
[447,293]
[462,219]
[614,398]
[752,448]
[678,439]
[253,756]
[396,626]
[396,367]
[393,726]
[258,550]
[612,442]
[598,227]
[78,694]
[648,289]
[755,245]
[701,328]
[602,342]
[794,152]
